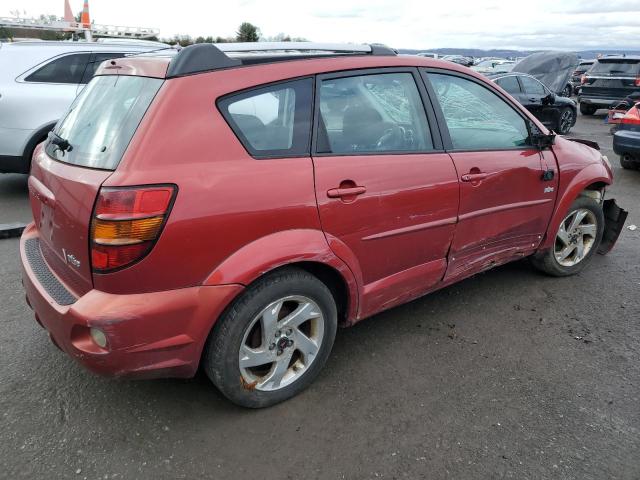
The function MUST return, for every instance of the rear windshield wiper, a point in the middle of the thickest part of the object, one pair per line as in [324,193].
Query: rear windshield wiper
[62,143]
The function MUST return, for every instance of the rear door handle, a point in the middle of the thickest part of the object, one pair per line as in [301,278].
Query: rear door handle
[473,177]
[345,192]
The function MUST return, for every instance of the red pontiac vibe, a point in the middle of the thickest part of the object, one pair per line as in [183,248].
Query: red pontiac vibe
[227,207]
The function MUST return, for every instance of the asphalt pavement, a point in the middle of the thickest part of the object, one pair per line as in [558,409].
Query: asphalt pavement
[509,374]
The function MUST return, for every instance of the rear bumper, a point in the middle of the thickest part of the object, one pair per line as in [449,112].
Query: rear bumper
[149,335]
[626,142]
[601,102]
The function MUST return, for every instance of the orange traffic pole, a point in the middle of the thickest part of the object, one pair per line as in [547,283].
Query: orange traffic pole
[84,19]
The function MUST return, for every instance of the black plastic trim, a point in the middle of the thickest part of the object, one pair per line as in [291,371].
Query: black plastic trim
[199,58]
[47,279]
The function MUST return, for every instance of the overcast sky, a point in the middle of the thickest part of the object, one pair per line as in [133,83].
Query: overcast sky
[421,24]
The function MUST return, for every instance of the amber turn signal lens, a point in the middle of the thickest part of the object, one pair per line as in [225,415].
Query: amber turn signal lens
[127,221]
[125,232]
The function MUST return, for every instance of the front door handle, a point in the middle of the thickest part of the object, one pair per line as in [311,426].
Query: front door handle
[346,192]
[473,177]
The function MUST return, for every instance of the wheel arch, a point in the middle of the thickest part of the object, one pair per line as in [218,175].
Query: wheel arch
[306,249]
[37,137]
[587,182]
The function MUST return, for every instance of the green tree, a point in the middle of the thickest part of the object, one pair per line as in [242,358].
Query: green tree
[247,33]
[200,40]
[6,33]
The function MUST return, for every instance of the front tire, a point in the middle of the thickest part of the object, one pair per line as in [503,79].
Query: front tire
[274,340]
[576,240]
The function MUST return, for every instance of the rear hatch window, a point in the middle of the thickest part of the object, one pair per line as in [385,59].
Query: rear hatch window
[616,67]
[102,120]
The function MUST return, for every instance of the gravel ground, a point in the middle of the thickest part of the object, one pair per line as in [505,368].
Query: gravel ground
[509,374]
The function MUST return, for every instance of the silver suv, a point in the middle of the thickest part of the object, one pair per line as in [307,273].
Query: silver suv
[38,82]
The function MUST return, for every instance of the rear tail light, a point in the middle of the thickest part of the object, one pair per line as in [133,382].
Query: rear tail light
[126,223]
[632,117]
[637,82]
[583,79]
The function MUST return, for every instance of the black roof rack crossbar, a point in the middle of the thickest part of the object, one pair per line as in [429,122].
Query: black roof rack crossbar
[206,57]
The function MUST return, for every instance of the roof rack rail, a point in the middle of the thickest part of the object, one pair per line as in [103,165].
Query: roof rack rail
[205,57]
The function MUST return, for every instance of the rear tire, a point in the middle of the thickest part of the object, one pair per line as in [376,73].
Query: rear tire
[587,109]
[576,240]
[627,162]
[567,91]
[273,341]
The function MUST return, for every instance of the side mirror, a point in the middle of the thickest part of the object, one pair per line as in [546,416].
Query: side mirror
[540,140]
[549,99]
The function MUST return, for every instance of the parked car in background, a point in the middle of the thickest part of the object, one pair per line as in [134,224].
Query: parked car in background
[344,184]
[428,55]
[626,139]
[38,82]
[552,68]
[608,81]
[555,112]
[576,77]
[494,65]
[459,59]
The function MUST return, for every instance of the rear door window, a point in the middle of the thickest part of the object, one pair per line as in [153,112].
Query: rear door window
[272,121]
[476,117]
[510,84]
[102,120]
[372,113]
[66,69]
[532,86]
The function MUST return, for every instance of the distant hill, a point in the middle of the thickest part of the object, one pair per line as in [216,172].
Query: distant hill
[475,52]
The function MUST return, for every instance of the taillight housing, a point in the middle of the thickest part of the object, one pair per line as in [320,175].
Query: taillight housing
[637,81]
[583,79]
[126,223]
[632,117]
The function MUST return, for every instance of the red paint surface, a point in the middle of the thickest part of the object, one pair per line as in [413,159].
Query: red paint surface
[416,228]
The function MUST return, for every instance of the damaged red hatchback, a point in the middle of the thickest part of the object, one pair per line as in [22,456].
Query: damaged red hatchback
[227,207]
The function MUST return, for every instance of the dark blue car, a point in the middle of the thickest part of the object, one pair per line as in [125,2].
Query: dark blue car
[626,140]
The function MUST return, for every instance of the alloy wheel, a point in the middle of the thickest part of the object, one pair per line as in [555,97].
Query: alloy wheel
[566,118]
[576,237]
[281,343]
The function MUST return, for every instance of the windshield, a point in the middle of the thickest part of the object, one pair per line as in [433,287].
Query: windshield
[102,120]
[615,67]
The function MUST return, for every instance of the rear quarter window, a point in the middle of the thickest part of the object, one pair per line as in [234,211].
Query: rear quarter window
[272,121]
[65,69]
